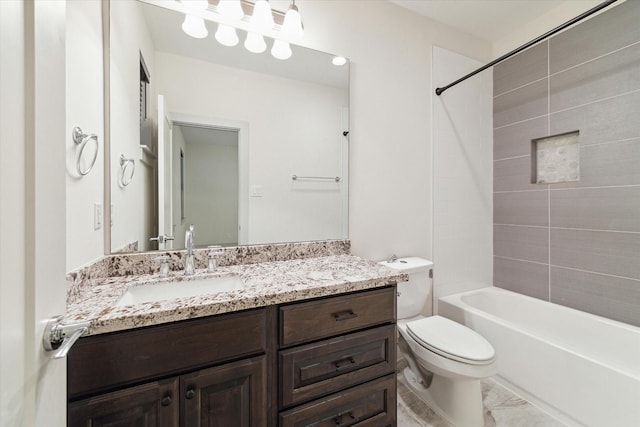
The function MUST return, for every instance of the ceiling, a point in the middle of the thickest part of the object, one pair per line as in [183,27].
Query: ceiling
[489,20]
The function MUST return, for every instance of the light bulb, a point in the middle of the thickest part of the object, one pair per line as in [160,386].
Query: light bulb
[255,43]
[262,19]
[194,27]
[292,24]
[226,35]
[339,60]
[230,9]
[195,5]
[281,49]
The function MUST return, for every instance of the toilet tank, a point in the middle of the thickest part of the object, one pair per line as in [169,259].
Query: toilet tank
[414,294]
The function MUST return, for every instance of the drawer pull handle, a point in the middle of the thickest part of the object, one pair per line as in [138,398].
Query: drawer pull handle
[343,364]
[345,315]
[341,421]
[190,394]
[166,401]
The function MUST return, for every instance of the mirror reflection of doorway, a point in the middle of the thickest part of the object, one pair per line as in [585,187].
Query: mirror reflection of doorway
[211,187]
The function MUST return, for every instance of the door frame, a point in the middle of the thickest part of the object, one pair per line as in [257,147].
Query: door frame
[179,119]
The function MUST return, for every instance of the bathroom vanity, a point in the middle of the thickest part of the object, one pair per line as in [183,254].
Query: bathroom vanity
[322,356]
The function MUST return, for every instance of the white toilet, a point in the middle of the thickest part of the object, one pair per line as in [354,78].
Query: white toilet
[446,360]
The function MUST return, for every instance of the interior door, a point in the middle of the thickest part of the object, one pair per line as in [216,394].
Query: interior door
[165,168]
[32,221]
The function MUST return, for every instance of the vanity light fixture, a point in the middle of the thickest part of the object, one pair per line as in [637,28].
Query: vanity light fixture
[281,49]
[194,25]
[339,61]
[229,14]
[262,17]
[226,35]
[255,42]
[292,25]
[230,9]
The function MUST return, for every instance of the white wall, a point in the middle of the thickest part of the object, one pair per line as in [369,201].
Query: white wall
[462,177]
[129,37]
[390,100]
[84,106]
[565,11]
[284,139]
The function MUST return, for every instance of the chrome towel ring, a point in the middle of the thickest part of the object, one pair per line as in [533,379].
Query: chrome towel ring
[82,140]
[127,169]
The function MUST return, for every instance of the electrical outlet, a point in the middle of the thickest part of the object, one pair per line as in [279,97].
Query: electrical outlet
[97,216]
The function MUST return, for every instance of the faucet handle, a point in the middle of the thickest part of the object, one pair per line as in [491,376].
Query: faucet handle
[213,253]
[164,265]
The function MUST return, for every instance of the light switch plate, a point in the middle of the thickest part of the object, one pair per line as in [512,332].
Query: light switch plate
[97,216]
[256,191]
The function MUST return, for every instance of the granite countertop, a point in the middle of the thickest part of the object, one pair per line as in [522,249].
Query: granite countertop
[265,284]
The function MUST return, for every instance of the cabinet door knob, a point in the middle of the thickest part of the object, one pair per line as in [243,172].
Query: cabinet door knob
[166,401]
[190,394]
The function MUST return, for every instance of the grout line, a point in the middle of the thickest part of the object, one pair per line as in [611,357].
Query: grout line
[567,268]
[567,188]
[519,121]
[597,144]
[595,272]
[511,158]
[594,59]
[520,87]
[595,101]
[596,187]
[520,225]
[595,230]
[522,260]
[521,191]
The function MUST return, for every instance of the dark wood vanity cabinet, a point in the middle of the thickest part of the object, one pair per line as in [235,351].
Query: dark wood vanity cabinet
[203,372]
[327,361]
[337,361]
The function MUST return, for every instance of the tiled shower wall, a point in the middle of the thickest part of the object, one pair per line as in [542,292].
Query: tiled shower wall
[575,244]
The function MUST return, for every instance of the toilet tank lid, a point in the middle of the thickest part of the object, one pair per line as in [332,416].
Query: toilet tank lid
[409,264]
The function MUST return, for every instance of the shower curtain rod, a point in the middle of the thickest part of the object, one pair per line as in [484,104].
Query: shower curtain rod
[526,45]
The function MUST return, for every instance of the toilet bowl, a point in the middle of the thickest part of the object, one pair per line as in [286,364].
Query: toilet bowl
[446,360]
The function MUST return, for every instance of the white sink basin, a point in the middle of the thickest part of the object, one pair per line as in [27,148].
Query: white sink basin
[179,289]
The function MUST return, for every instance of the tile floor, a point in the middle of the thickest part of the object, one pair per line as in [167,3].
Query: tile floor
[502,408]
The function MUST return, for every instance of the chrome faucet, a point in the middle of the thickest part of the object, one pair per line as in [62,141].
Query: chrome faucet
[189,267]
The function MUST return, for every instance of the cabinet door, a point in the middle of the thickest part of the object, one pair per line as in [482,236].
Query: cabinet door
[229,395]
[149,405]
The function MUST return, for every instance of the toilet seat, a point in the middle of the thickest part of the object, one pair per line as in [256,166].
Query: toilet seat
[451,340]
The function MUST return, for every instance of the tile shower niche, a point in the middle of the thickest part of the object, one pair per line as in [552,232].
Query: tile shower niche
[556,159]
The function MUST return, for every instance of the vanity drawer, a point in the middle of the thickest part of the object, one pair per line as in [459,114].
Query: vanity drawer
[314,370]
[370,404]
[308,321]
[104,362]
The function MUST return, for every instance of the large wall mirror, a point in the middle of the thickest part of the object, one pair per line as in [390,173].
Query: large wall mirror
[248,148]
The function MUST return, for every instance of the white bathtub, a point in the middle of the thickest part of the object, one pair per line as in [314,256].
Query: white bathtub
[584,369]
